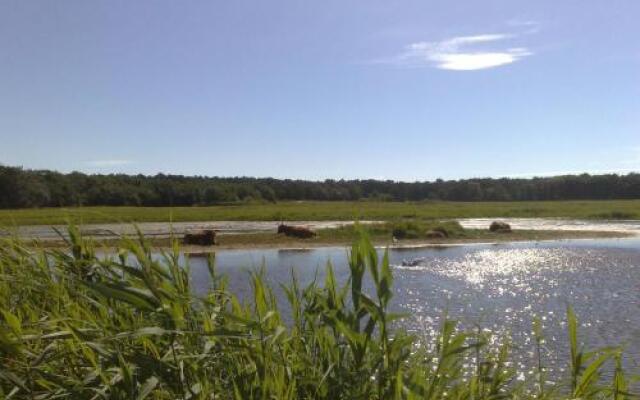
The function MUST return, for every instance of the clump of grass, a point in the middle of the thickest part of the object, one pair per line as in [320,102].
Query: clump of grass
[619,215]
[128,326]
[421,229]
[407,230]
[402,229]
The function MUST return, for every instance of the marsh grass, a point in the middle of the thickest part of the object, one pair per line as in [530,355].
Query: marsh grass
[325,210]
[128,326]
[615,215]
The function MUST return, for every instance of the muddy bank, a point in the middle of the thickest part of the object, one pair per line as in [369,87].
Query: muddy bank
[163,230]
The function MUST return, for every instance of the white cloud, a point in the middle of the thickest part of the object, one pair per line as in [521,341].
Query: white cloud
[108,163]
[473,61]
[458,53]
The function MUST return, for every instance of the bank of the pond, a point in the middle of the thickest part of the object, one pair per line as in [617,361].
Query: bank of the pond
[471,236]
[331,237]
[398,233]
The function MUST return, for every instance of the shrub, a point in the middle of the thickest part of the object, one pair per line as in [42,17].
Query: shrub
[407,230]
[420,229]
[615,215]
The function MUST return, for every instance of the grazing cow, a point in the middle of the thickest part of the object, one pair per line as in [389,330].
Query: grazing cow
[500,227]
[205,237]
[296,231]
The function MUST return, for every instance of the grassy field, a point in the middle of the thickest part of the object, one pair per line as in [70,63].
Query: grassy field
[618,209]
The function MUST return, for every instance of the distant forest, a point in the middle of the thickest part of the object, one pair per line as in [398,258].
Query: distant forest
[21,188]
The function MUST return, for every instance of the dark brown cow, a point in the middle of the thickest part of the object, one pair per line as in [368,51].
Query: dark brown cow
[205,237]
[500,227]
[296,231]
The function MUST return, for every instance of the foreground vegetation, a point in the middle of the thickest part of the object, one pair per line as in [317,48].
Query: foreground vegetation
[322,210]
[74,325]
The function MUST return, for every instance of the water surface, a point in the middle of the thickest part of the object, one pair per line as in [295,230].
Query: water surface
[498,287]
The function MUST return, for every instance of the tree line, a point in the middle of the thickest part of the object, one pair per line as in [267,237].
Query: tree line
[24,188]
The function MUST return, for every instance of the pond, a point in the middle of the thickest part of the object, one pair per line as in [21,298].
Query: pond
[500,287]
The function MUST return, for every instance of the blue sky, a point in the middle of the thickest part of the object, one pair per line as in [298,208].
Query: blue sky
[409,90]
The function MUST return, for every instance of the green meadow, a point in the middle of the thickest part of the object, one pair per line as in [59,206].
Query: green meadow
[316,210]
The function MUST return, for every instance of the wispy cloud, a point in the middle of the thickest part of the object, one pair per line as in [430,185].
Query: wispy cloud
[108,163]
[462,53]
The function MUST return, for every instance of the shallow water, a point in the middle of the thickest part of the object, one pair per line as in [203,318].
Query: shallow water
[498,287]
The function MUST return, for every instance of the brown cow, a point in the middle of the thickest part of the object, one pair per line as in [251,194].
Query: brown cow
[296,231]
[205,237]
[500,227]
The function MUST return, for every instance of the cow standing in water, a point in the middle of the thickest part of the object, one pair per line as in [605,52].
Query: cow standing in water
[296,231]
